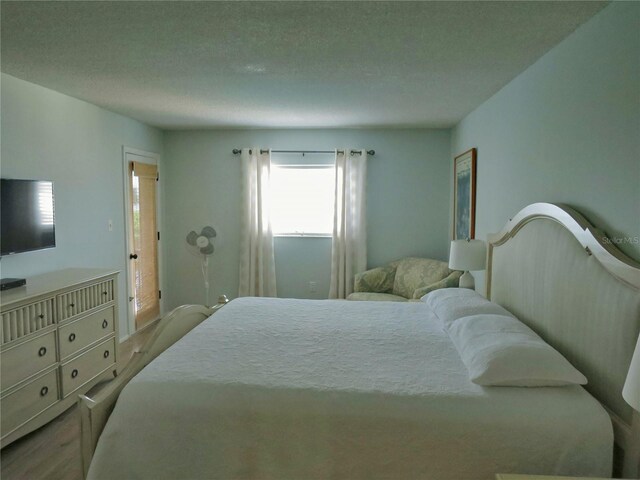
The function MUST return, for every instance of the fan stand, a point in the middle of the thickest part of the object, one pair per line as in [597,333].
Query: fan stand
[205,276]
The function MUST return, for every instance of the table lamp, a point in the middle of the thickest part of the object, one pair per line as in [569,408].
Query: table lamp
[467,255]
[631,389]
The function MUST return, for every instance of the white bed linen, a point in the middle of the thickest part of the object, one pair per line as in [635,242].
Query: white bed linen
[300,389]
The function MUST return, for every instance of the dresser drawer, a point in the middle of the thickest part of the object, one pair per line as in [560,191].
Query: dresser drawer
[84,299]
[81,333]
[28,401]
[20,322]
[26,359]
[82,369]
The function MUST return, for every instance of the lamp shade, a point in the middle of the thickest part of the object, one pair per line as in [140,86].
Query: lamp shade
[467,255]
[631,389]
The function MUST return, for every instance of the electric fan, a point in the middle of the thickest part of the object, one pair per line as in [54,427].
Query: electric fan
[202,245]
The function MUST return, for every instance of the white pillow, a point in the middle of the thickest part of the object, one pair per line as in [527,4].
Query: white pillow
[502,351]
[450,304]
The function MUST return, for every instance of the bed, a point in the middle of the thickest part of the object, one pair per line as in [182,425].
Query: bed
[282,388]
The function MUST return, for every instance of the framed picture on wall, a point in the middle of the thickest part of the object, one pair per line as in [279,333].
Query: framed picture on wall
[464,195]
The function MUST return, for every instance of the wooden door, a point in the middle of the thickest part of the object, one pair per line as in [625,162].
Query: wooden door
[143,242]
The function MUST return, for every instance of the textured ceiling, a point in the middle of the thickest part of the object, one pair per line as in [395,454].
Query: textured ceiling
[282,64]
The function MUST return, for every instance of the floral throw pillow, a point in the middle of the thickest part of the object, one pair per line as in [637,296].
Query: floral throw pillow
[413,273]
[377,280]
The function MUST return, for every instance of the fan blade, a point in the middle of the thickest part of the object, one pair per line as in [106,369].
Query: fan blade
[208,250]
[192,237]
[208,232]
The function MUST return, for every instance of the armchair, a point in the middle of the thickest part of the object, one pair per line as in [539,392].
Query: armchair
[403,280]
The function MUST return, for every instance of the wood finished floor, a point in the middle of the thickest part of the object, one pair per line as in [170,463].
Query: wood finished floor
[53,451]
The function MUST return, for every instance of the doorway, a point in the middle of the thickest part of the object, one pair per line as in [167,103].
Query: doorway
[142,237]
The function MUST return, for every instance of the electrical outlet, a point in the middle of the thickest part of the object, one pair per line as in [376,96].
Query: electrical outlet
[313,286]
[110,225]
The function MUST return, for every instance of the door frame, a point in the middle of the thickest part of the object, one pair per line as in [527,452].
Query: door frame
[142,156]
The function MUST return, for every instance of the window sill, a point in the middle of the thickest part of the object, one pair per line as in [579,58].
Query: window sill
[303,235]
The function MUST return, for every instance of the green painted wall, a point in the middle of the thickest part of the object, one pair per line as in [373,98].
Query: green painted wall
[50,136]
[407,194]
[566,130]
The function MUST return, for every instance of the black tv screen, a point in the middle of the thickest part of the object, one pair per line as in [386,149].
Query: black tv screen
[27,219]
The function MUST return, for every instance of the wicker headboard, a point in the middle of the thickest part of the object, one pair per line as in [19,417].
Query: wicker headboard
[568,282]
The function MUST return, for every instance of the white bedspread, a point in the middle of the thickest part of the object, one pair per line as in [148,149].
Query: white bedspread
[301,389]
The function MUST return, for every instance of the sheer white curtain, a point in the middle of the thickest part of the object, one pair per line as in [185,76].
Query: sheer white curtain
[257,266]
[349,243]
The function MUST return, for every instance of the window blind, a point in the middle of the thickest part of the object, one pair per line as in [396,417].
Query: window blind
[147,304]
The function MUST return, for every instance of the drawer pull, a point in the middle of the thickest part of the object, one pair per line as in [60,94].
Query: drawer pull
[71,305]
[106,354]
[44,391]
[72,337]
[105,324]
[42,352]
[41,315]
[74,373]
[105,293]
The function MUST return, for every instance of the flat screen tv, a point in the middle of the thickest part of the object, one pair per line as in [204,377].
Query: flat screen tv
[27,220]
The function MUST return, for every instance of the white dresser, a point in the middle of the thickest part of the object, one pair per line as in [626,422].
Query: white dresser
[59,337]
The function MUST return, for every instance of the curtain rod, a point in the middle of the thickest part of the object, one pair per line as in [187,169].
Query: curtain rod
[236,151]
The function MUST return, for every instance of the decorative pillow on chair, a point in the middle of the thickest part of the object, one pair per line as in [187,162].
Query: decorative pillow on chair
[451,281]
[376,280]
[413,273]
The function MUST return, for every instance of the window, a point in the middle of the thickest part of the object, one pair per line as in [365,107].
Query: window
[302,199]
